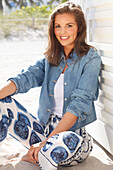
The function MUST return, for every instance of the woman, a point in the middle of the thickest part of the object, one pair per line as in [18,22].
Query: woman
[69,79]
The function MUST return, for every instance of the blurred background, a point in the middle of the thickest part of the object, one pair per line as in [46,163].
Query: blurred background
[18,16]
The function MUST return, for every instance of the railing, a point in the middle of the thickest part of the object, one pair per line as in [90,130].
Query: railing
[7,26]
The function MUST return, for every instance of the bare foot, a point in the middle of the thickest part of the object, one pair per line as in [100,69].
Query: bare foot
[27,159]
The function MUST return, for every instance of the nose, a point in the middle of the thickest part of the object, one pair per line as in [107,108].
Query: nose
[63,30]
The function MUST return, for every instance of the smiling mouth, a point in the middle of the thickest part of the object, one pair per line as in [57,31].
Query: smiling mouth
[64,38]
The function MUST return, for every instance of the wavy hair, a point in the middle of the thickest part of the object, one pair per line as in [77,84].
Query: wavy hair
[54,48]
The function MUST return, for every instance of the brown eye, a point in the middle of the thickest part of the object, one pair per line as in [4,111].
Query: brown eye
[57,26]
[69,25]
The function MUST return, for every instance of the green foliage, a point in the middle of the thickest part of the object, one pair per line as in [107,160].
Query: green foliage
[29,12]
[64,1]
[37,12]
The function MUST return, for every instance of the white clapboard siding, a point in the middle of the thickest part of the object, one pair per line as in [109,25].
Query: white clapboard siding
[107,75]
[99,17]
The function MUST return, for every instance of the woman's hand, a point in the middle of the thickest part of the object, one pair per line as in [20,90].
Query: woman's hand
[65,124]
[34,149]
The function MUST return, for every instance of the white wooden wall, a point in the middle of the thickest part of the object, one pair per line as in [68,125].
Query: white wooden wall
[99,16]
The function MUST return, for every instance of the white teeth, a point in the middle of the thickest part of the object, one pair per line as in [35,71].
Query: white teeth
[64,38]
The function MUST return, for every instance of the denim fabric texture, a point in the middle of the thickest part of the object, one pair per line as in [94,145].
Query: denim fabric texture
[80,85]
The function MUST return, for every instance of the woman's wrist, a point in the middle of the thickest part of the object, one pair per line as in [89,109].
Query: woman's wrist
[40,144]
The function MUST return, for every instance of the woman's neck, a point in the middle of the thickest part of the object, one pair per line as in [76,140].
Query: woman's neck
[67,53]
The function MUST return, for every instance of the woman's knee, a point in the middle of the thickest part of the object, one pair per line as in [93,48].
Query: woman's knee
[61,146]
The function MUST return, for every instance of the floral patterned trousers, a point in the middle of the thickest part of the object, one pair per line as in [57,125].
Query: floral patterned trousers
[66,148]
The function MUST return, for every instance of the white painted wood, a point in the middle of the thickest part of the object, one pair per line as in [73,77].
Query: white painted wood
[106,89]
[107,61]
[101,15]
[104,116]
[93,3]
[102,46]
[107,75]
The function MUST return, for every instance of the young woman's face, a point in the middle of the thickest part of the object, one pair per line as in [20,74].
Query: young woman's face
[66,30]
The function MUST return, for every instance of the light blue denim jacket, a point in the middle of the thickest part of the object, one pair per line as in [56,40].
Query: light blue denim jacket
[80,86]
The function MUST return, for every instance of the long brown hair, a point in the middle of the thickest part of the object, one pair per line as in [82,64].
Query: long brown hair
[54,47]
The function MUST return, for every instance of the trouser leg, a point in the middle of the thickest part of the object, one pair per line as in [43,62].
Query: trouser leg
[66,148]
[63,148]
[60,149]
[87,146]
[15,120]
[84,150]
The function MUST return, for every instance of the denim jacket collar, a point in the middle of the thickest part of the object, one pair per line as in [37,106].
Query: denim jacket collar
[72,58]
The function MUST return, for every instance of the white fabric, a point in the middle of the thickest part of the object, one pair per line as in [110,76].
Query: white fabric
[59,96]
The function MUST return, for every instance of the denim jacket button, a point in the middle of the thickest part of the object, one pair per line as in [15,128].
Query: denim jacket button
[65,83]
[65,99]
[50,95]
[48,110]
[54,80]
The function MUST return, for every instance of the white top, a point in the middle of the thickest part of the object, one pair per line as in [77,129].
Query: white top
[59,96]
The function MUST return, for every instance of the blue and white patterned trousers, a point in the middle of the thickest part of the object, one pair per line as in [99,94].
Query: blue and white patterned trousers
[66,148]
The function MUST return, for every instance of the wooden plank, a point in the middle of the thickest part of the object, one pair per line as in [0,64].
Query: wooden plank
[93,3]
[104,103]
[107,75]
[108,104]
[104,116]
[106,89]
[102,46]
[102,34]
[103,30]
[107,61]
[100,15]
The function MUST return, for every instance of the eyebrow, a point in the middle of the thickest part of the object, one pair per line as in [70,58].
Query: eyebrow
[67,23]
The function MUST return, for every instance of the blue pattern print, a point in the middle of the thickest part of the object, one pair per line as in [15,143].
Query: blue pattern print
[11,116]
[3,127]
[38,128]
[71,141]
[21,129]
[34,138]
[59,154]
[24,118]
[47,146]
[7,99]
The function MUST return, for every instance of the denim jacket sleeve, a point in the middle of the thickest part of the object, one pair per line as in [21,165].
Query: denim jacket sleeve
[31,77]
[82,98]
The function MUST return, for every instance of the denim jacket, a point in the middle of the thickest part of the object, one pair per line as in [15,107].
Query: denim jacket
[80,86]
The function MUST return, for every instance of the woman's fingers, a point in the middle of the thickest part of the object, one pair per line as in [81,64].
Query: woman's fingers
[33,153]
[30,153]
[34,149]
[37,149]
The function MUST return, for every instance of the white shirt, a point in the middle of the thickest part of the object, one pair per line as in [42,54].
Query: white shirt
[59,96]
